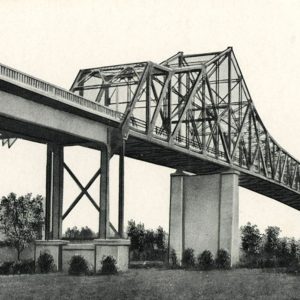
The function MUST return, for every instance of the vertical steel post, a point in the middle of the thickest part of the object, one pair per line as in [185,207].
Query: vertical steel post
[169,97]
[203,112]
[148,101]
[104,194]
[121,190]
[48,193]
[229,102]
[54,191]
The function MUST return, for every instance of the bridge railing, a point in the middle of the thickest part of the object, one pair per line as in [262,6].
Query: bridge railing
[52,90]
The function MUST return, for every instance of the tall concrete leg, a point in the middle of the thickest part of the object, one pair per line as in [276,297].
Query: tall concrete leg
[204,212]
[54,192]
[121,191]
[104,194]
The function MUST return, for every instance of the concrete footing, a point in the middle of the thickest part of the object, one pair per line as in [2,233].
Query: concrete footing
[204,213]
[53,247]
[62,252]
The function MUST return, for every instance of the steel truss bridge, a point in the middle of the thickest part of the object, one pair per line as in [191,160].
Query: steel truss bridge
[190,112]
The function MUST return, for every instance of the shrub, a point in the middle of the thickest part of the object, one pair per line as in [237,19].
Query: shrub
[173,259]
[17,267]
[108,265]
[146,244]
[205,260]
[6,268]
[294,267]
[223,259]
[78,265]
[188,258]
[45,262]
[23,267]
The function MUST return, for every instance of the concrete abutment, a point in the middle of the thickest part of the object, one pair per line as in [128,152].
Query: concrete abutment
[204,213]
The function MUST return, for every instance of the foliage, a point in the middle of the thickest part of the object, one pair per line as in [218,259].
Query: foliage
[188,258]
[136,234]
[293,249]
[294,267]
[222,260]
[251,239]
[108,266]
[146,244]
[271,245]
[85,233]
[23,267]
[45,262]
[173,261]
[22,220]
[6,268]
[78,265]
[205,260]
[17,267]
[271,252]
[160,238]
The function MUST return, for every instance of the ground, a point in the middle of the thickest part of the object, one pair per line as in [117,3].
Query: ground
[154,284]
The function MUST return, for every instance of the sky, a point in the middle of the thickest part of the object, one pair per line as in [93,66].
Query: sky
[52,40]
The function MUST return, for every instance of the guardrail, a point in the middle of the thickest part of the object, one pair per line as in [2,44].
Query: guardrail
[52,90]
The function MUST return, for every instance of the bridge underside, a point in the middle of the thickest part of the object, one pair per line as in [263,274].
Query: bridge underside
[159,154]
[18,129]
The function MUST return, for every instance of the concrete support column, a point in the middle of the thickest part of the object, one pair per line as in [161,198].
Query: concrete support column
[104,194]
[229,233]
[54,191]
[204,213]
[176,218]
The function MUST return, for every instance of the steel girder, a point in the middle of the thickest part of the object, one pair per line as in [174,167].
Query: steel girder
[7,139]
[200,102]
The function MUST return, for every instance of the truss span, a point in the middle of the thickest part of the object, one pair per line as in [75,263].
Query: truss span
[199,103]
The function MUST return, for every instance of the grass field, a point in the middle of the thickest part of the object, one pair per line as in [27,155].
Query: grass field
[154,284]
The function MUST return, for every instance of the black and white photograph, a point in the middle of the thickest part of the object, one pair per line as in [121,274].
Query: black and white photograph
[149,149]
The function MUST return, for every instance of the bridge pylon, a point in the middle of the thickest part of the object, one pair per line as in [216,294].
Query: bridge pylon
[204,213]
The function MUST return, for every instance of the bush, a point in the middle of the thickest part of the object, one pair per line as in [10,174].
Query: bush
[223,259]
[45,262]
[173,259]
[146,244]
[6,268]
[23,267]
[78,265]
[108,266]
[294,267]
[188,258]
[205,260]
[17,267]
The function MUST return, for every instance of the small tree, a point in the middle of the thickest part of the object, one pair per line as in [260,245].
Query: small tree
[85,233]
[272,240]
[293,249]
[136,233]
[22,220]
[72,233]
[251,239]
[160,238]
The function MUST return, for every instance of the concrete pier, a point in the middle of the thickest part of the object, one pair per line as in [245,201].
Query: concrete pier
[204,213]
